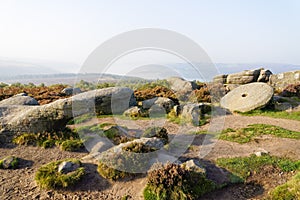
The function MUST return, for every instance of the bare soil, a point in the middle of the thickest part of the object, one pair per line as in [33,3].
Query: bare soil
[20,184]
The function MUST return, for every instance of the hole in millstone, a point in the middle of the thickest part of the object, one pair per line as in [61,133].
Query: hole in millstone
[244,95]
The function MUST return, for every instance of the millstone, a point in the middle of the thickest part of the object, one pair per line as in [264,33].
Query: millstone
[248,97]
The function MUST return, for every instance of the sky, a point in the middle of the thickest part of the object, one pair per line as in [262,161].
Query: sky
[230,31]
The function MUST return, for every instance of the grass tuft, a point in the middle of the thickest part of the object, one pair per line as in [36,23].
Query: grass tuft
[48,176]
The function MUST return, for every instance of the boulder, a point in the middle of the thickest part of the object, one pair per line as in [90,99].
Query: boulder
[244,77]
[194,165]
[133,112]
[54,116]
[220,79]
[292,90]
[282,80]
[19,99]
[264,75]
[181,87]
[67,167]
[194,112]
[162,102]
[247,97]
[71,91]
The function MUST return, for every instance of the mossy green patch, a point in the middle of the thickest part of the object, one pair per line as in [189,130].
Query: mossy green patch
[247,134]
[244,166]
[48,176]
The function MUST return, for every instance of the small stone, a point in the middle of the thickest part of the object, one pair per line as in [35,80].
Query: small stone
[194,165]
[261,153]
[67,167]
[9,162]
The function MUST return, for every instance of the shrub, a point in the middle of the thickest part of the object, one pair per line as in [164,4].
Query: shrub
[25,139]
[48,176]
[71,145]
[157,132]
[173,181]
[288,191]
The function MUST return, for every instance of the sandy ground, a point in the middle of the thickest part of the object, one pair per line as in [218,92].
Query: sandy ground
[20,184]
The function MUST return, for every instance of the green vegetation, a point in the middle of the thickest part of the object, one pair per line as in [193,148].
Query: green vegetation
[48,176]
[12,165]
[81,119]
[244,166]
[288,191]
[67,138]
[274,114]
[247,134]
[138,148]
[157,132]
[173,181]
[71,145]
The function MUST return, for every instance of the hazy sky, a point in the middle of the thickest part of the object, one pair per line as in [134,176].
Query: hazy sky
[228,30]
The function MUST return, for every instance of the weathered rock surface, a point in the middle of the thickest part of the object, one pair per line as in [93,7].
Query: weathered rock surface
[165,103]
[194,165]
[54,116]
[220,78]
[264,75]
[19,100]
[248,97]
[181,87]
[133,112]
[282,80]
[67,167]
[194,112]
[244,77]
[71,91]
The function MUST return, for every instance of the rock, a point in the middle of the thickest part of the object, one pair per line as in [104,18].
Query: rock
[181,87]
[23,94]
[67,167]
[19,99]
[113,100]
[220,79]
[264,76]
[194,112]
[194,165]
[261,153]
[165,103]
[71,91]
[54,116]
[282,80]
[292,90]
[177,110]
[244,77]
[133,112]
[284,106]
[9,162]
[247,97]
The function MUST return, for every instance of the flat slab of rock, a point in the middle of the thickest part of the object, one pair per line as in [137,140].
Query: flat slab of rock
[248,97]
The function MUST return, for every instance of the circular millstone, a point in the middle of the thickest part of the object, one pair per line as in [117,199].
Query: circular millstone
[247,97]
